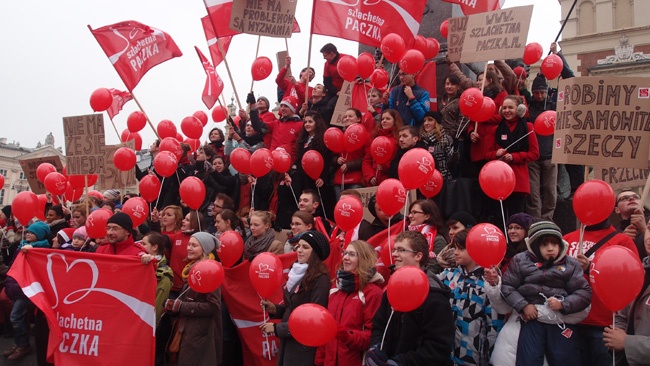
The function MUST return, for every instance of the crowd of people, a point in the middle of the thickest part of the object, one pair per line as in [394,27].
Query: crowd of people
[537,306]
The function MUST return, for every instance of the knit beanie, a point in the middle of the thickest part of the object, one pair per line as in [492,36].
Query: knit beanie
[208,241]
[464,218]
[520,71]
[539,83]
[537,232]
[318,242]
[40,229]
[7,211]
[111,195]
[122,220]
[290,102]
[435,115]
[268,104]
[66,234]
[522,219]
[80,233]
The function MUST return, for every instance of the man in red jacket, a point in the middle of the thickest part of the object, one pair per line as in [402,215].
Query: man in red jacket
[119,233]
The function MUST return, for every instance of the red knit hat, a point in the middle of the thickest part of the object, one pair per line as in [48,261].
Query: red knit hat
[291,102]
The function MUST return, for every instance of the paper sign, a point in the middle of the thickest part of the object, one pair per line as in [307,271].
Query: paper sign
[367,193]
[84,144]
[271,18]
[456,37]
[622,178]
[603,121]
[342,104]
[113,178]
[29,169]
[496,35]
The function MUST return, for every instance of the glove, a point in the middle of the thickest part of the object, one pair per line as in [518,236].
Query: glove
[173,306]
[343,334]
[376,357]
[250,99]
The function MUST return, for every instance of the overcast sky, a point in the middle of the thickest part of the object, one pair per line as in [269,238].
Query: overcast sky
[51,63]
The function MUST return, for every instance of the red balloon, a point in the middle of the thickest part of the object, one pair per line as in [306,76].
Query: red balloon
[193,143]
[96,193]
[43,170]
[205,276]
[533,53]
[202,116]
[179,137]
[312,325]
[40,213]
[137,209]
[261,162]
[136,121]
[487,110]
[433,47]
[415,168]
[444,28]
[365,64]
[333,139]
[347,68]
[420,44]
[128,136]
[497,179]
[486,245]
[149,187]
[593,201]
[382,149]
[281,160]
[165,164]
[166,128]
[265,274]
[72,194]
[393,47]
[379,78]
[552,66]
[348,213]
[192,191]
[96,223]
[433,186]
[412,62]
[192,127]
[355,137]
[56,183]
[545,123]
[312,163]
[479,6]
[240,159]
[2,181]
[24,206]
[261,68]
[407,289]
[101,99]
[171,145]
[124,159]
[231,248]
[219,114]
[471,101]
[616,275]
[391,196]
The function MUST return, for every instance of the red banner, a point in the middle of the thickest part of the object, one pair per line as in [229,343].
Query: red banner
[213,83]
[120,98]
[243,303]
[133,48]
[211,37]
[367,22]
[219,13]
[477,6]
[97,313]
[427,79]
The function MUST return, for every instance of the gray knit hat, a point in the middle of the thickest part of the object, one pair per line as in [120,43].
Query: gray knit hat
[541,229]
[208,241]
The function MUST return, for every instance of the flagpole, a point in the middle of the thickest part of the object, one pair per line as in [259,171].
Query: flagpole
[257,52]
[311,36]
[119,138]
[225,61]
[145,114]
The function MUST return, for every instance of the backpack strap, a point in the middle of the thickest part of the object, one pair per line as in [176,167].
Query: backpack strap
[600,243]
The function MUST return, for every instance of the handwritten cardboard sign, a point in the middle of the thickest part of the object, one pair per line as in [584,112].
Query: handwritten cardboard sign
[496,35]
[622,178]
[113,178]
[456,38]
[368,192]
[342,104]
[84,144]
[603,121]
[29,169]
[271,18]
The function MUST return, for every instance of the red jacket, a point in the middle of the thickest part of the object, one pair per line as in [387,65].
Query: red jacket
[332,72]
[284,134]
[599,314]
[176,256]
[266,117]
[369,165]
[354,312]
[297,90]
[126,247]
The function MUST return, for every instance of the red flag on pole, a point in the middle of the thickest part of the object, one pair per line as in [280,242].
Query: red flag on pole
[120,98]
[211,37]
[133,48]
[477,6]
[219,13]
[213,83]
[96,313]
[367,22]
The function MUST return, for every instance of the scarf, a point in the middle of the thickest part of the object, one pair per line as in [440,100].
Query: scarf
[503,130]
[255,246]
[347,282]
[296,274]
[186,271]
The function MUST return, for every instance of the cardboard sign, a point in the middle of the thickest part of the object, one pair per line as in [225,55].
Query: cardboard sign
[29,169]
[281,58]
[496,35]
[456,37]
[342,104]
[271,18]
[367,193]
[603,121]
[113,178]
[622,178]
[84,144]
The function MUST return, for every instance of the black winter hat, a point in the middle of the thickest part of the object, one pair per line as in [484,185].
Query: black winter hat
[539,84]
[464,218]
[121,219]
[7,211]
[318,243]
[435,115]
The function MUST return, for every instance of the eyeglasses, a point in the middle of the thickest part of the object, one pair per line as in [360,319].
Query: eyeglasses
[350,254]
[627,197]
[402,250]
[414,212]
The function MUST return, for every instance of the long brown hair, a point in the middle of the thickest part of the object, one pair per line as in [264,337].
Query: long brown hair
[315,268]
[398,122]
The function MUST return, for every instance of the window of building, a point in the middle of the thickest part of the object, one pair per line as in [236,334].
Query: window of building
[22,175]
[2,196]
[3,172]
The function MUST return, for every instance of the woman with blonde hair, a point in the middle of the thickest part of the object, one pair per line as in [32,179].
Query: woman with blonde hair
[262,237]
[353,303]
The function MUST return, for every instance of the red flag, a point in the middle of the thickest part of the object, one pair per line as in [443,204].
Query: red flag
[120,98]
[213,83]
[367,22]
[96,313]
[477,6]
[211,37]
[219,13]
[133,48]
[427,79]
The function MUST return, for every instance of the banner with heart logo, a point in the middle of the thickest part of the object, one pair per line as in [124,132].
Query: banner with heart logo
[97,313]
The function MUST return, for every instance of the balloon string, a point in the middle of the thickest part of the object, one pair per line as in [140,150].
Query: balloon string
[580,240]
[406,203]
[503,217]
[159,192]
[265,320]
[390,249]
[253,195]
[198,220]
[392,311]
[322,204]
[294,194]
[613,327]
[519,139]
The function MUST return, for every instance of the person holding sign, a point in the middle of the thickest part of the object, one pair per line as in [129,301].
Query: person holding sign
[289,84]
[409,99]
